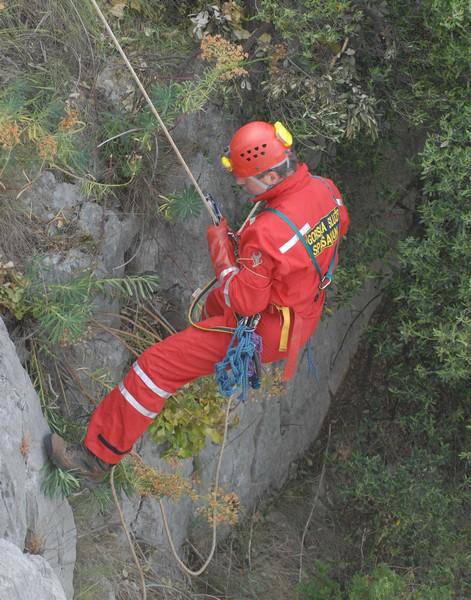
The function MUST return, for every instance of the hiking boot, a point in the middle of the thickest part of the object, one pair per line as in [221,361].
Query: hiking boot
[75,457]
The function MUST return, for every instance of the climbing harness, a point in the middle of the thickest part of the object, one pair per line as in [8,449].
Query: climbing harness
[241,365]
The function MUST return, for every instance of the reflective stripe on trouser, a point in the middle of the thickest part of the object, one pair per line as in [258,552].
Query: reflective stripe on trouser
[118,421]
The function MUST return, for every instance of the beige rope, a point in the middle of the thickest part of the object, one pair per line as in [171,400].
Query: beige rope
[154,111]
[128,535]
[214,218]
[182,565]
[165,520]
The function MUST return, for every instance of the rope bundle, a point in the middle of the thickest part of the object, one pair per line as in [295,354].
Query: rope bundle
[239,367]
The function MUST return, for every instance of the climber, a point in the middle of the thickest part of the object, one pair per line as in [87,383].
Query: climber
[285,259]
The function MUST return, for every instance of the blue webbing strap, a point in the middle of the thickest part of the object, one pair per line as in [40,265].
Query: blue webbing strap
[310,360]
[331,268]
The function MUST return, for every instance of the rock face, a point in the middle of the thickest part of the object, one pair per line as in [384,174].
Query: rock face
[26,576]
[178,251]
[28,520]
[88,237]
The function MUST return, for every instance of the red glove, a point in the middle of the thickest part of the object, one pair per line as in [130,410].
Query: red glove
[221,248]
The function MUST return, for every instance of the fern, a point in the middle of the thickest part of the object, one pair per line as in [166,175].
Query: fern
[139,287]
[61,309]
[64,309]
[167,99]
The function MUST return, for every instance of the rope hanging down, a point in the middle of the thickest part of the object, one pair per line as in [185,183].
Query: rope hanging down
[208,204]
[243,358]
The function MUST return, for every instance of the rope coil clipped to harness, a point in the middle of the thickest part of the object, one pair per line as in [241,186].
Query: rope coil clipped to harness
[241,365]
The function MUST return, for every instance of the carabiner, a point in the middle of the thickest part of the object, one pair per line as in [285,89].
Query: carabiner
[328,280]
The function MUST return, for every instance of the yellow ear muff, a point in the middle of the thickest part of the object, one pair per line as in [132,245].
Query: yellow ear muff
[283,134]
[226,163]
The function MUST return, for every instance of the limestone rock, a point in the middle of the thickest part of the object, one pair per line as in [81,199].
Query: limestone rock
[24,576]
[114,233]
[25,513]
[178,251]
[52,202]
[116,83]
[91,220]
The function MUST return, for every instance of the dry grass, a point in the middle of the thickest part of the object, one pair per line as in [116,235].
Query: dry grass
[34,543]
[19,235]
[25,445]
[260,559]
[104,561]
[33,31]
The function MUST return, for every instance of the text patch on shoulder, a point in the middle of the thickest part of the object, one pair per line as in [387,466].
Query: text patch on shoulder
[325,233]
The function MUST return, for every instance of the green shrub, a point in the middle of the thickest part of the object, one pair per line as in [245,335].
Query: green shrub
[406,478]
[320,586]
[381,584]
[192,415]
[385,584]
[414,513]
[435,295]
[432,57]
[312,79]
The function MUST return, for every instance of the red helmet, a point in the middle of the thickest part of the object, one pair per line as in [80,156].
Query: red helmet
[257,147]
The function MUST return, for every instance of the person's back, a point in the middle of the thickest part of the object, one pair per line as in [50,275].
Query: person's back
[315,207]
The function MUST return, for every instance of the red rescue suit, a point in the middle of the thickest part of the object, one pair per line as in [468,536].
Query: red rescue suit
[275,277]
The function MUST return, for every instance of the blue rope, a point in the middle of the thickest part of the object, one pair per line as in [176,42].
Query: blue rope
[237,370]
[310,361]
